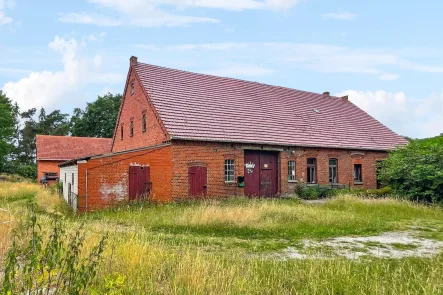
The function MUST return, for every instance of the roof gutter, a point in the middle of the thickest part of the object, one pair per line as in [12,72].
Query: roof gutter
[279,144]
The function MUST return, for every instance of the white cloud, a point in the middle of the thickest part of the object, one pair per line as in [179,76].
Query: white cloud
[157,13]
[409,116]
[6,4]
[338,59]
[46,87]
[382,63]
[240,70]
[4,19]
[210,46]
[85,18]
[388,77]
[339,16]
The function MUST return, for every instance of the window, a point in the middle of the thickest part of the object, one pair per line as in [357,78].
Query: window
[229,170]
[131,129]
[65,177]
[357,173]
[312,171]
[132,88]
[144,123]
[72,178]
[291,170]
[121,131]
[333,171]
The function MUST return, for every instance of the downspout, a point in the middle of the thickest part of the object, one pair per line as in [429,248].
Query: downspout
[86,190]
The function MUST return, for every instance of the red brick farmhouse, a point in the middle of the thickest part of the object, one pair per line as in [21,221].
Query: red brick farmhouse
[181,134]
[54,150]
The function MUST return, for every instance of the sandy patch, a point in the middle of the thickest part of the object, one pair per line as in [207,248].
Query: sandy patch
[387,245]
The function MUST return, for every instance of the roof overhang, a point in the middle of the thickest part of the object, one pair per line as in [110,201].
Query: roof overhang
[281,144]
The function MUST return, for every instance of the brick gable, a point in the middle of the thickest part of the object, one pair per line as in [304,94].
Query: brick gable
[132,109]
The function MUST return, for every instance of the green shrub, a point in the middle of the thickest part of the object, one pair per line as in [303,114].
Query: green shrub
[416,170]
[313,192]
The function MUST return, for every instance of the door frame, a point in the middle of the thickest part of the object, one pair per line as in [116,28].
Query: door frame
[277,155]
[205,186]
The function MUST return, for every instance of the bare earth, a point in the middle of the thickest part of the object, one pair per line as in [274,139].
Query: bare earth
[387,245]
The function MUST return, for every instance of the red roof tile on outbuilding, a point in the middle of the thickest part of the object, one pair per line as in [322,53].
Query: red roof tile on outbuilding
[209,108]
[70,147]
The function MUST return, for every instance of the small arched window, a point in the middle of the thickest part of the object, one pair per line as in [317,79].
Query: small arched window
[144,123]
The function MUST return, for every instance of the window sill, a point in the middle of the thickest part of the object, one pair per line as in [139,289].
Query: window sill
[311,184]
[358,182]
[231,182]
[292,181]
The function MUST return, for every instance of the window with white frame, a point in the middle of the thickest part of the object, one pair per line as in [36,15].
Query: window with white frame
[132,88]
[291,170]
[229,170]
[311,176]
[333,171]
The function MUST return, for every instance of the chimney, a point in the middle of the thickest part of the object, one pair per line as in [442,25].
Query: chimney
[345,97]
[326,93]
[133,60]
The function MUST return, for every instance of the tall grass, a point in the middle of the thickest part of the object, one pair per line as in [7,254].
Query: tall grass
[233,246]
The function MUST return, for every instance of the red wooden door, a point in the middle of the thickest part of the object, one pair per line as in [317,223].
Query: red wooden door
[261,173]
[139,182]
[252,173]
[268,174]
[197,181]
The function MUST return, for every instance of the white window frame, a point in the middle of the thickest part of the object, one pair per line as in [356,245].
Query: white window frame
[333,171]
[229,170]
[291,171]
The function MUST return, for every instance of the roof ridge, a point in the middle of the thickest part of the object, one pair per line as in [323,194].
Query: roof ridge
[69,136]
[236,79]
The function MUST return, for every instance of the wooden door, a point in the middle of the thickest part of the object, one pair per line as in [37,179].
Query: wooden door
[139,182]
[252,173]
[268,174]
[197,181]
[261,173]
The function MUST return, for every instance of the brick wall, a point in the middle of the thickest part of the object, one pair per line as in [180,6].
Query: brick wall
[108,177]
[47,166]
[133,108]
[212,156]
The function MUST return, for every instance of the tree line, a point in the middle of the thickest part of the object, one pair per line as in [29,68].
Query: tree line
[18,129]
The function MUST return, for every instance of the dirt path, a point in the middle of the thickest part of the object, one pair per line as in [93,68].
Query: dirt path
[387,245]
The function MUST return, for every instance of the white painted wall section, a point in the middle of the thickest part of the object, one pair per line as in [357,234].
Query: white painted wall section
[69,176]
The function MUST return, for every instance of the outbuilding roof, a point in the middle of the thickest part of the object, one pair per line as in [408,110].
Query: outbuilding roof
[203,107]
[70,147]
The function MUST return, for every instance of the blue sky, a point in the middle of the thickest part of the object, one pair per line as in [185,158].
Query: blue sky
[386,55]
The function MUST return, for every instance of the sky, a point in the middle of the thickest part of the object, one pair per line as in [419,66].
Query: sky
[386,55]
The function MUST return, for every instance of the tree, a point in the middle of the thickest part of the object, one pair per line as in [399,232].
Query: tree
[416,170]
[99,117]
[6,128]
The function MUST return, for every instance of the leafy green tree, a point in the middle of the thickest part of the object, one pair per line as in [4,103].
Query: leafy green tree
[6,129]
[416,170]
[99,117]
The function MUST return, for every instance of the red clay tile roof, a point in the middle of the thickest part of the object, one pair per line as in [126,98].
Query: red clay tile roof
[204,107]
[70,147]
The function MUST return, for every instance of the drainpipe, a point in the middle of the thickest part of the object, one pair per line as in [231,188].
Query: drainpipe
[86,190]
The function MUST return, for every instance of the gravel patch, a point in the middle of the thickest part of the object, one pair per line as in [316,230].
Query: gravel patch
[387,245]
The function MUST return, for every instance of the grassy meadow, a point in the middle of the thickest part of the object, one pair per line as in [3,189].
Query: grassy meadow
[232,246]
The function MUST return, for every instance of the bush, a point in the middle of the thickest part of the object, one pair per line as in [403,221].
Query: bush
[416,170]
[313,192]
[370,193]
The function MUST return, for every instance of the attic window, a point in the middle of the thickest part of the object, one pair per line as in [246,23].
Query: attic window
[132,88]
[131,130]
[317,111]
[144,123]
[121,132]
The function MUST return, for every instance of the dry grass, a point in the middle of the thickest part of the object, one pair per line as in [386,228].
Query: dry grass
[227,247]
